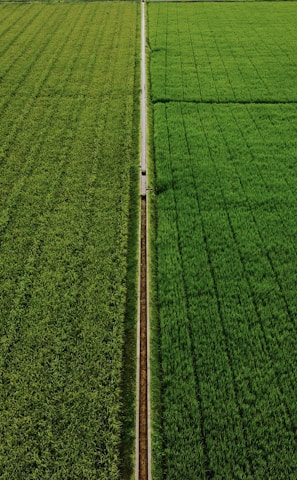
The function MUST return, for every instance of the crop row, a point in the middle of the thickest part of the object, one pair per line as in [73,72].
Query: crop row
[227,259]
[67,108]
[218,52]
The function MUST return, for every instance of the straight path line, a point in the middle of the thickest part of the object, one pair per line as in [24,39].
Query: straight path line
[143,423]
[143,113]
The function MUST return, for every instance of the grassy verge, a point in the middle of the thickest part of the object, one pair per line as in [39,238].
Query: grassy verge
[155,358]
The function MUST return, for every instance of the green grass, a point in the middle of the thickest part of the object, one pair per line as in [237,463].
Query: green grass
[226,243]
[67,103]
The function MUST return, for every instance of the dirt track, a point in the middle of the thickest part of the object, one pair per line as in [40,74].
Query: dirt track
[143,470]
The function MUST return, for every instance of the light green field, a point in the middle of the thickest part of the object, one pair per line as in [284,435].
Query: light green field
[226,238]
[68,99]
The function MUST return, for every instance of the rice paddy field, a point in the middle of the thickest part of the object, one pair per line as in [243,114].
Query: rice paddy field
[68,103]
[223,94]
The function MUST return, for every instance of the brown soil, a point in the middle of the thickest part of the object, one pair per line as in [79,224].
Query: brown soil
[143,410]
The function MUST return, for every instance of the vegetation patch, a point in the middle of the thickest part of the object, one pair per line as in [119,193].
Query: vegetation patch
[67,102]
[221,52]
[225,180]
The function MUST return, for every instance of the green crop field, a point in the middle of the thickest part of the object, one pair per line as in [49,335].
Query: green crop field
[214,52]
[68,155]
[223,99]
[223,79]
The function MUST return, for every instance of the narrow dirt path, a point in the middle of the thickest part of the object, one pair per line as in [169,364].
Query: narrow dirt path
[143,448]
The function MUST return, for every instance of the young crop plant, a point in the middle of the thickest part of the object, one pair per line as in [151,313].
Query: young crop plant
[226,268]
[220,52]
[68,155]
[225,122]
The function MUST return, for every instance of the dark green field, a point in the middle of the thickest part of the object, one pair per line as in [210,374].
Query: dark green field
[225,124]
[223,52]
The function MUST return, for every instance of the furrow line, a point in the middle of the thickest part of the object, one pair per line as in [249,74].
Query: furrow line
[210,101]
